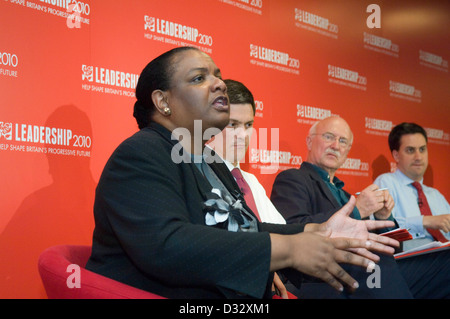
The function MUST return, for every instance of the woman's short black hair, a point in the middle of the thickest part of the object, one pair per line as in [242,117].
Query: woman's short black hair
[157,75]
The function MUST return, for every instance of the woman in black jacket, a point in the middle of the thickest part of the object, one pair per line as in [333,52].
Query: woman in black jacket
[169,223]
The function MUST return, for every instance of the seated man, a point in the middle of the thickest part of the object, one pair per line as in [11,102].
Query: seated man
[232,144]
[314,193]
[408,145]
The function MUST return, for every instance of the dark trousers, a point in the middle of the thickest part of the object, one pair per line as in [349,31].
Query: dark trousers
[427,276]
[385,283]
[420,277]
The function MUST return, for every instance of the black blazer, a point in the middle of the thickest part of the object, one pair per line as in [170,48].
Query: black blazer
[301,196]
[150,227]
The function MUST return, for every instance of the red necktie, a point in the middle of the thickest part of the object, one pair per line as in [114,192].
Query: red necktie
[248,196]
[426,211]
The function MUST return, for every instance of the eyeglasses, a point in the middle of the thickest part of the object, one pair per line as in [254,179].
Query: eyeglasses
[330,138]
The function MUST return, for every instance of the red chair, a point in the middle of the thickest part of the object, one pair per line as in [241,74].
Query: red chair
[53,263]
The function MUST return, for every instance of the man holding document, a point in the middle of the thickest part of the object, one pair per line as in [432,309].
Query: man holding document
[408,145]
[420,208]
[313,193]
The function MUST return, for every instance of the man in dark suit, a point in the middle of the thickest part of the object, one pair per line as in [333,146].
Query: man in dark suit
[313,193]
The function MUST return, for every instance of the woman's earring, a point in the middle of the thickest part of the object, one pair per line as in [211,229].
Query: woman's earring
[167,111]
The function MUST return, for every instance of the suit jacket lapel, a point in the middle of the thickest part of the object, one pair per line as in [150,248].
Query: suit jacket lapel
[218,167]
[230,183]
[320,184]
[202,183]
[227,179]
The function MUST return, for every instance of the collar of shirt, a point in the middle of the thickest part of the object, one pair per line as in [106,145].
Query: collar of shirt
[326,177]
[230,166]
[227,163]
[336,188]
[403,179]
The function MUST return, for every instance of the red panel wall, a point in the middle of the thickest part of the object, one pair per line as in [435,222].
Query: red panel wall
[67,77]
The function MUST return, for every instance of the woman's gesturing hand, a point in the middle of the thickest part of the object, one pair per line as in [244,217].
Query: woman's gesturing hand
[319,256]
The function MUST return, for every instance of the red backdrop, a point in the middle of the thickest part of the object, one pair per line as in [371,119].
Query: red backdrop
[68,71]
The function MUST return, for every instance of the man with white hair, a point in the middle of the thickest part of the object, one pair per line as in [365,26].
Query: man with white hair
[329,142]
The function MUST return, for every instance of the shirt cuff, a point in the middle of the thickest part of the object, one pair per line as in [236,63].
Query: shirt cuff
[415,226]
